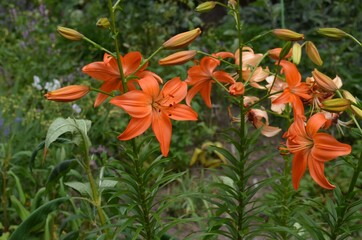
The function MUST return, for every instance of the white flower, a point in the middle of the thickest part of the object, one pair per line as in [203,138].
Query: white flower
[76,108]
[36,83]
[51,86]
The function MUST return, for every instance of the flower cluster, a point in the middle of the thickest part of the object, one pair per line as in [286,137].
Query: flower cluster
[126,80]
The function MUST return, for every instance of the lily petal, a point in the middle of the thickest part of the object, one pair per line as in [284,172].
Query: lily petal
[150,86]
[327,148]
[162,127]
[136,103]
[175,89]
[292,75]
[107,87]
[299,166]
[130,62]
[316,170]
[315,123]
[101,71]
[181,112]
[136,127]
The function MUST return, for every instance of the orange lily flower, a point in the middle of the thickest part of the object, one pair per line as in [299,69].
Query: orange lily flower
[202,76]
[108,72]
[295,90]
[312,149]
[154,107]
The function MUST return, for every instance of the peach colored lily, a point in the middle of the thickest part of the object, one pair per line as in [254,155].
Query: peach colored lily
[249,58]
[312,149]
[259,75]
[201,78]
[256,116]
[154,107]
[108,72]
[295,91]
[279,85]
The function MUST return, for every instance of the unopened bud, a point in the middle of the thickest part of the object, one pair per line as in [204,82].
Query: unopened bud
[70,34]
[237,89]
[336,105]
[182,40]
[297,53]
[356,110]
[324,82]
[178,58]
[288,35]
[205,7]
[103,23]
[312,53]
[332,33]
[68,94]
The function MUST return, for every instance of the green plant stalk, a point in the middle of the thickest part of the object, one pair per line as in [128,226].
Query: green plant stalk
[96,197]
[241,181]
[348,196]
[4,198]
[142,196]
[98,46]
[115,36]
[355,39]
[147,59]
[282,9]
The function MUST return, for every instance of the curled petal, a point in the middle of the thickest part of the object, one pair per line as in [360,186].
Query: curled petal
[223,77]
[299,166]
[146,73]
[107,87]
[101,71]
[223,55]
[192,92]
[327,148]
[315,123]
[205,93]
[208,65]
[181,112]
[136,103]
[162,127]
[136,127]
[316,170]
[291,72]
[174,91]
[130,62]
[270,131]
[150,86]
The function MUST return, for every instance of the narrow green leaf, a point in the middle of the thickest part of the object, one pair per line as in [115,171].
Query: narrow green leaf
[27,227]
[19,208]
[59,171]
[19,188]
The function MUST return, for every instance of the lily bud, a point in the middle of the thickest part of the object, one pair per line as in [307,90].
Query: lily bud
[356,110]
[178,58]
[336,105]
[313,53]
[68,94]
[205,7]
[288,35]
[103,23]
[237,89]
[69,33]
[324,82]
[296,53]
[332,33]
[182,40]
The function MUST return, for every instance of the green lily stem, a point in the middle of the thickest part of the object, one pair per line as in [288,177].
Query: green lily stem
[100,91]
[355,175]
[142,194]
[115,37]
[262,99]
[95,195]
[257,37]
[98,46]
[354,39]
[336,228]
[242,158]
[4,198]
[147,59]
[115,5]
